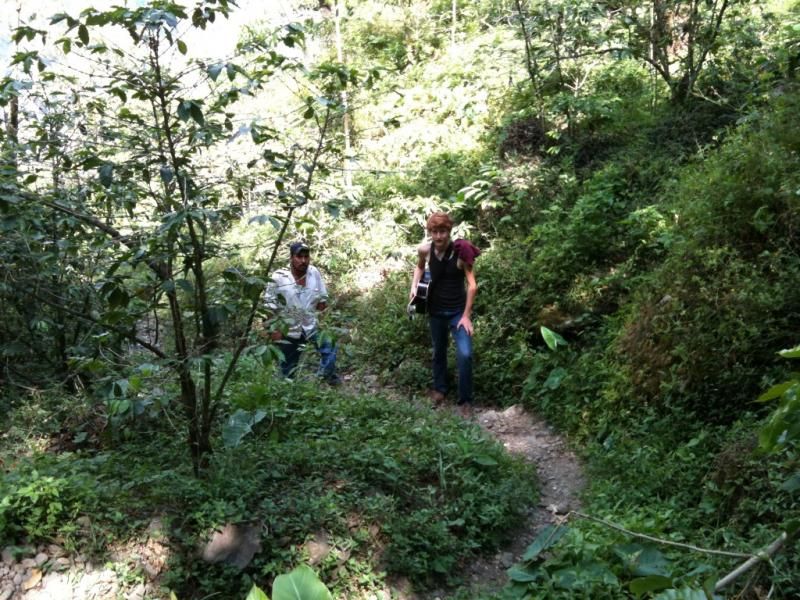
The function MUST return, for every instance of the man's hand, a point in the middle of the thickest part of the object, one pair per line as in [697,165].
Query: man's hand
[466,323]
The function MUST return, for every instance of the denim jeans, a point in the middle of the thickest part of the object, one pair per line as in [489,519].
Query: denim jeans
[292,348]
[441,324]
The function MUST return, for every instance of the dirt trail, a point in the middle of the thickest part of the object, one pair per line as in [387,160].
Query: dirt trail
[561,479]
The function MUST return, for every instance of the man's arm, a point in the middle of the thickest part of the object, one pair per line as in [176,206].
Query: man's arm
[322,290]
[273,305]
[419,269]
[472,290]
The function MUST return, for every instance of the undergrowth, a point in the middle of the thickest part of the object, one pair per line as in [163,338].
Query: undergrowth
[395,488]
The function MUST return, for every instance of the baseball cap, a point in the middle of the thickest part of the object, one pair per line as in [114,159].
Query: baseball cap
[297,248]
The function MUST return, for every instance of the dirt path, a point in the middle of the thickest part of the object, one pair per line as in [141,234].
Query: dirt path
[560,480]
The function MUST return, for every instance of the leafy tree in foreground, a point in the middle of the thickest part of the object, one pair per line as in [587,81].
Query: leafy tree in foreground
[141,194]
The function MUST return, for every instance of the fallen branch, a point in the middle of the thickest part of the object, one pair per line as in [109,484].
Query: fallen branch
[752,559]
[764,555]
[656,540]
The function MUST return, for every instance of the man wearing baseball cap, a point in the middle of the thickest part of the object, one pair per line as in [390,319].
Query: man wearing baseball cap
[295,295]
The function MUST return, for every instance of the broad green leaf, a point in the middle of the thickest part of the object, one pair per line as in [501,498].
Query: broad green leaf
[651,583]
[186,285]
[523,574]
[683,593]
[553,381]
[183,110]
[166,174]
[214,71]
[256,594]
[486,461]
[106,174]
[239,424]
[790,352]
[651,562]
[548,537]
[181,46]
[197,113]
[83,34]
[792,484]
[551,338]
[642,560]
[301,584]
[776,391]
[568,578]
[91,162]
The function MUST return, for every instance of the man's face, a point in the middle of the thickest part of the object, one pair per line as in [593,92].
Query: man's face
[300,262]
[440,237]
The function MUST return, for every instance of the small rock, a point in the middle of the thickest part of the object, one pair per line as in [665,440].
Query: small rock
[156,529]
[41,558]
[236,544]
[33,580]
[55,550]
[6,593]
[151,569]
[8,556]
[28,563]
[17,579]
[318,549]
[506,560]
[136,593]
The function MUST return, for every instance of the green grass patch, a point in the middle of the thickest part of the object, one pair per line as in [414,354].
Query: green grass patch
[394,487]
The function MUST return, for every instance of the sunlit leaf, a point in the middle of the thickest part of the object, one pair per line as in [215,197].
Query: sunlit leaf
[182,46]
[83,34]
[790,352]
[551,338]
[301,584]
[256,594]
[776,391]
[214,71]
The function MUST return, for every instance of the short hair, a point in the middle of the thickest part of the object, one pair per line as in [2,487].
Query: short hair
[298,247]
[438,220]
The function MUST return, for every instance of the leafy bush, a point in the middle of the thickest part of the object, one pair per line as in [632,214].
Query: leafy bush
[43,497]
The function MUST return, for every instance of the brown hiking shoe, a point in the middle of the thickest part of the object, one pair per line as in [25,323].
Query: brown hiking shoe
[465,411]
[436,396]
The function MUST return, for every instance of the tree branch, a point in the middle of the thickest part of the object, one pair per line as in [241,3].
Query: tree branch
[656,540]
[764,555]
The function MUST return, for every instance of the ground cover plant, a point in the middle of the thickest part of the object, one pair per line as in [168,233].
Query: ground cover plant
[396,488]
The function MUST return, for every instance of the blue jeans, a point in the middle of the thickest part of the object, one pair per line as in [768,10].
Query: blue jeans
[441,324]
[292,348]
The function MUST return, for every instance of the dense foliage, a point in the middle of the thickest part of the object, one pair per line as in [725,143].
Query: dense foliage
[632,173]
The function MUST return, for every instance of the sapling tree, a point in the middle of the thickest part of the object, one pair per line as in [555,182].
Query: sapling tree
[154,176]
[676,38]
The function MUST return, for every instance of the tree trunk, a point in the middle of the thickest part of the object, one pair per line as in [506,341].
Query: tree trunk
[347,166]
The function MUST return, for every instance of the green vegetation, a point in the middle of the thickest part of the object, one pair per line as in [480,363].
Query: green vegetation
[394,486]
[632,174]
